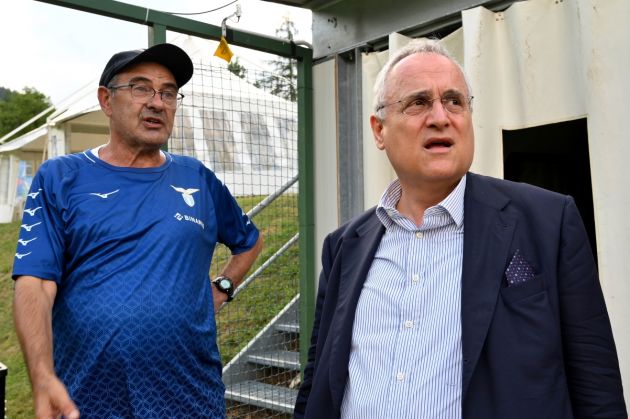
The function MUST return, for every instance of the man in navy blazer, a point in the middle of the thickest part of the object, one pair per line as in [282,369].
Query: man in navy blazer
[500,316]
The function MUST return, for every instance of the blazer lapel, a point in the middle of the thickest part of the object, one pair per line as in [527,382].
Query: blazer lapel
[488,231]
[357,253]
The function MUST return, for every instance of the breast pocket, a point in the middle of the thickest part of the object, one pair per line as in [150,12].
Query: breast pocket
[515,293]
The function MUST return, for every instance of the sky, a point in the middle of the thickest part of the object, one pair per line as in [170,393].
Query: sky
[58,50]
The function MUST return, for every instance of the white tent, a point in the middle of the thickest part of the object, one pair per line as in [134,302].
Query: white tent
[248,136]
[76,124]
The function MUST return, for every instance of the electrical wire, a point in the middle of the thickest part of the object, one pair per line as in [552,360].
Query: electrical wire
[201,13]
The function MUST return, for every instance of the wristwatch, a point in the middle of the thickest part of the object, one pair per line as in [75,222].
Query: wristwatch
[225,285]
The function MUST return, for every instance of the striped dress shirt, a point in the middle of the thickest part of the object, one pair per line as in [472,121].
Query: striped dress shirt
[406,354]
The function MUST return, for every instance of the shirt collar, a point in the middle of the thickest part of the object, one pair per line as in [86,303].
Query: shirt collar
[453,203]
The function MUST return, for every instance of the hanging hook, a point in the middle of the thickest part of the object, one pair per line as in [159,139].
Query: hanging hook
[236,14]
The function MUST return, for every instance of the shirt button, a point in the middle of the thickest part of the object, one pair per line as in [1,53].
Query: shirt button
[415,278]
[419,234]
[400,376]
[408,324]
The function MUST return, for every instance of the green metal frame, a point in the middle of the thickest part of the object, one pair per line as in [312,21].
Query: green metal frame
[306,203]
[158,23]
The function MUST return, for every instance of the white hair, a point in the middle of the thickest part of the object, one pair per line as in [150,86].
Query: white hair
[415,46]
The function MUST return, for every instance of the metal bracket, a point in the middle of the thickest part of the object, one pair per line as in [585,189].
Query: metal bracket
[236,14]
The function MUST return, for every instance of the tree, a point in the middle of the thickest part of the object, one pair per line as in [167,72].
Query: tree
[282,79]
[4,93]
[235,67]
[17,108]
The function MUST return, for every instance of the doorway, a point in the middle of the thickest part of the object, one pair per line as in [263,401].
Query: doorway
[554,157]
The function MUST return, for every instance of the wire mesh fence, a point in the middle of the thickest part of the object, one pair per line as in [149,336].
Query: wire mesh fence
[248,137]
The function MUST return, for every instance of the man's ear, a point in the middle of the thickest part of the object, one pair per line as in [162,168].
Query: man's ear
[377,130]
[104,99]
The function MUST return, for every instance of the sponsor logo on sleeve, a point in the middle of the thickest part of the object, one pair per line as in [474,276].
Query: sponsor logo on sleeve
[31,211]
[33,195]
[26,242]
[28,227]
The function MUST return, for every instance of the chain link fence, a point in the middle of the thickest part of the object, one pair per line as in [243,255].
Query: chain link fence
[248,137]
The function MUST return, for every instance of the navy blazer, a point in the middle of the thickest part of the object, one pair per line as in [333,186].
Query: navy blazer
[537,350]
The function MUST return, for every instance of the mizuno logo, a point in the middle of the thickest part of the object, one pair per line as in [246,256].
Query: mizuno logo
[29,227]
[25,242]
[187,195]
[31,211]
[104,195]
[34,194]
[20,256]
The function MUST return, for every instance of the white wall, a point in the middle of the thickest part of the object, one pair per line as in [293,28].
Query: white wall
[325,149]
[377,172]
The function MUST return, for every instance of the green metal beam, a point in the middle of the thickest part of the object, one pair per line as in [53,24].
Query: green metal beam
[157,34]
[306,203]
[150,17]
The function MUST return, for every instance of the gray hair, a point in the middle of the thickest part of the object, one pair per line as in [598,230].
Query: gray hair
[415,46]
[113,81]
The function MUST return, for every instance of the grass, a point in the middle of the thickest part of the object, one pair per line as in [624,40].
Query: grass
[18,388]
[273,289]
[250,311]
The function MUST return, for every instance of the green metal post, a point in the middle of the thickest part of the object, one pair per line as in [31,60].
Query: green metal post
[306,203]
[157,34]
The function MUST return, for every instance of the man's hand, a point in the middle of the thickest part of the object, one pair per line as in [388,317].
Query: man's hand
[218,298]
[52,401]
[32,312]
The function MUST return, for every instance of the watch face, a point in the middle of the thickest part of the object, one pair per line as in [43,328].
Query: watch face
[225,284]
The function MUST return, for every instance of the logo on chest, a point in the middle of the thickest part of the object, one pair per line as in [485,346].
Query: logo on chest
[187,195]
[190,218]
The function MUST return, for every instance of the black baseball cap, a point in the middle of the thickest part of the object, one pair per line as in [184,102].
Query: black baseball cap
[170,56]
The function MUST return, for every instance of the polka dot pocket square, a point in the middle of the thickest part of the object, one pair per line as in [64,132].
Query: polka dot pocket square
[519,270]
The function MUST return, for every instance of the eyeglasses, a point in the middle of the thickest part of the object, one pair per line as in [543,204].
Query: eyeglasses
[141,92]
[454,103]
